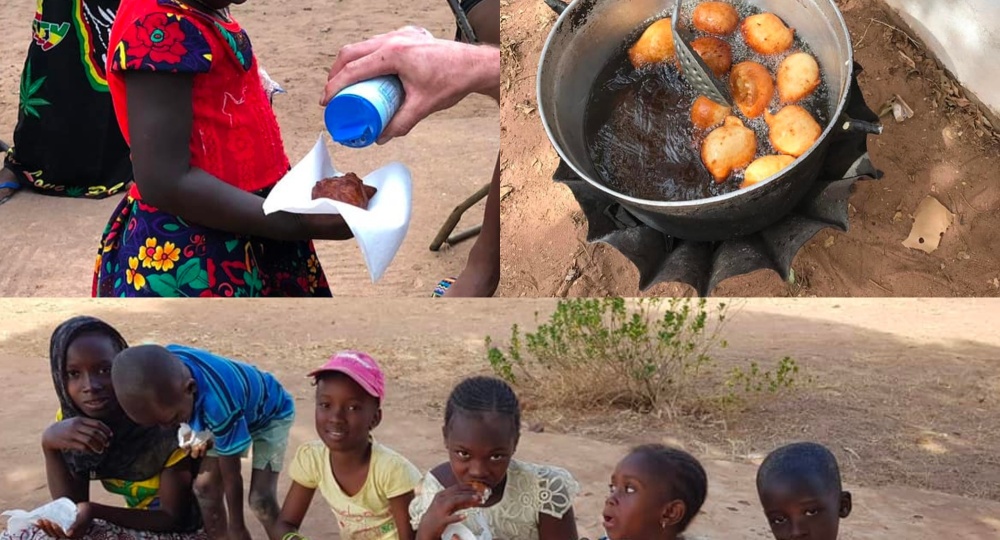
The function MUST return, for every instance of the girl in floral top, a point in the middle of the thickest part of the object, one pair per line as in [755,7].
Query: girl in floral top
[206,149]
[524,501]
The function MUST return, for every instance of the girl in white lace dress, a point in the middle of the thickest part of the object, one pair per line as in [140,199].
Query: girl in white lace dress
[521,501]
[656,491]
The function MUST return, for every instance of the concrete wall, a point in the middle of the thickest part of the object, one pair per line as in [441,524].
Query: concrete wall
[965,36]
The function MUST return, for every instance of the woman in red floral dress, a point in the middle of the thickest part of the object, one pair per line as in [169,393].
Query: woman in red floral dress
[206,148]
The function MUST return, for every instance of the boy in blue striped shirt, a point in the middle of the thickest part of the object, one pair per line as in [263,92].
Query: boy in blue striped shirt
[240,405]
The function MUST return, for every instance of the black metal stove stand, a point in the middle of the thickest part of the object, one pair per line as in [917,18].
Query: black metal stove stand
[704,265]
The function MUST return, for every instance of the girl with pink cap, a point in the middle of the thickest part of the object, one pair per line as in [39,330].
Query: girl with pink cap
[367,485]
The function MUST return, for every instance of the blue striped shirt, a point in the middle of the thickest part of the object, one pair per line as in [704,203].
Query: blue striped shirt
[234,400]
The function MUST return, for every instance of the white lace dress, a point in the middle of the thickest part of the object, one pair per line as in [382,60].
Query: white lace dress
[531,490]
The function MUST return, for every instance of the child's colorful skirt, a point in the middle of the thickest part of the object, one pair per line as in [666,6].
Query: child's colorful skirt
[102,530]
[148,253]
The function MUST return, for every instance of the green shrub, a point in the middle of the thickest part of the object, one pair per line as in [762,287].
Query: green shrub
[645,354]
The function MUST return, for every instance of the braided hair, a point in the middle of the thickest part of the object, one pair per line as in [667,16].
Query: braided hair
[680,473]
[480,395]
[806,460]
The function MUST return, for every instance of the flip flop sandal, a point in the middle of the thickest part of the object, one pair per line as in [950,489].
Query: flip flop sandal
[442,286]
[14,187]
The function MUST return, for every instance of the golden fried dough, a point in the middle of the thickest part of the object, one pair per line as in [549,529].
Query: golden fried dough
[767,34]
[763,168]
[348,188]
[798,76]
[655,45]
[716,18]
[706,113]
[717,54]
[728,148]
[752,88]
[793,130]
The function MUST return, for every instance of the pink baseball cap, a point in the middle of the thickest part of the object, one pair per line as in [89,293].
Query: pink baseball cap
[360,367]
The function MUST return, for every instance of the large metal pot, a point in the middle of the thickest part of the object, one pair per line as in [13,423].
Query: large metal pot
[586,36]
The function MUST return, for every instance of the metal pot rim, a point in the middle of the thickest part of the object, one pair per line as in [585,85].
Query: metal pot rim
[835,119]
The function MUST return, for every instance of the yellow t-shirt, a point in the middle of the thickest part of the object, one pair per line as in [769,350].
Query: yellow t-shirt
[365,516]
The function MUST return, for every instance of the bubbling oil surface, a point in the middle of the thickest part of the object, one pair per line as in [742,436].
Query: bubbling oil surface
[638,122]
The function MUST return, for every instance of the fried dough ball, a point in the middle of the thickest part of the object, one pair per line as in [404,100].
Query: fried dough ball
[798,76]
[752,88]
[763,168]
[793,130]
[717,54]
[706,113]
[767,34]
[728,148]
[655,45]
[717,18]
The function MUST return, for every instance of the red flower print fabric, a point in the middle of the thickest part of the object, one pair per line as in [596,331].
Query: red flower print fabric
[163,42]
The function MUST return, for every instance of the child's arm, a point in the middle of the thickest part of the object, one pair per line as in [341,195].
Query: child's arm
[232,484]
[293,511]
[160,121]
[175,504]
[551,528]
[399,507]
[80,434]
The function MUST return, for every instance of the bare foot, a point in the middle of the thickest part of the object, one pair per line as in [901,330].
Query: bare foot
[472,285]
[479,279]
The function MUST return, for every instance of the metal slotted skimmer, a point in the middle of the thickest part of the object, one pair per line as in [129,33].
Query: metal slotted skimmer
[696,72]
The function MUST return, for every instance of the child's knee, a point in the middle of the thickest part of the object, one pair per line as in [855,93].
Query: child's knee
[207,489]
[264,505]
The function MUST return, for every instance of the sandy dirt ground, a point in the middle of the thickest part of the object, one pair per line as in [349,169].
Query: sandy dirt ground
[938,152]
[49,244]
[903,395]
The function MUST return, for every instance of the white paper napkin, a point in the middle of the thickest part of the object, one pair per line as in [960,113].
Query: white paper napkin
[379,230]
[464,532]
[62,512]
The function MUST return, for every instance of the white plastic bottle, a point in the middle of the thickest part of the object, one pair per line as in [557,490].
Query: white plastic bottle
[358,114]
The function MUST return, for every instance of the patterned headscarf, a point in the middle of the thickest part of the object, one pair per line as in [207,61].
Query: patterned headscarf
[134,453]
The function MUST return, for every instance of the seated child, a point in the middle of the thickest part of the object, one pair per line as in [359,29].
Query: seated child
[483,481]
[92,439]
[655,493]
[239,404]
[799,488]
[368,486]
[206,150]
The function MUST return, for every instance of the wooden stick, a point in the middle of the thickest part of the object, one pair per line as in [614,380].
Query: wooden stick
[463,21]
[456,216]
[464,235]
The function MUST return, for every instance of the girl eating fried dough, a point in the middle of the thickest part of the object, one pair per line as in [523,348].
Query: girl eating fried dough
[482,485]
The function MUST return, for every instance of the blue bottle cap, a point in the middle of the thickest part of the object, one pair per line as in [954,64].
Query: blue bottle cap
[352,121]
